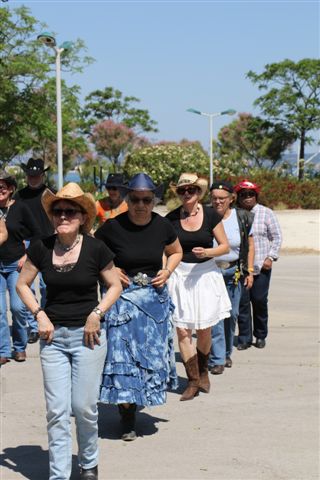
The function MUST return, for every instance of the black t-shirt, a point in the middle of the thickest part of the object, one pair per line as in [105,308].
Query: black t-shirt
[138,248]
[21,225]
[72,295]
[200,238]
[32,198]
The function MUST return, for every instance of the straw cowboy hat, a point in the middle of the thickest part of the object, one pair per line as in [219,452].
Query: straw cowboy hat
[74,194]
[191,179]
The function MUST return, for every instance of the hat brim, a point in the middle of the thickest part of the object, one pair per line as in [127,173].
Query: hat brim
[33,173]
[85,201]
[201,183]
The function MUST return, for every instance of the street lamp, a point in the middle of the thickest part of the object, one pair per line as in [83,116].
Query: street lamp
[49,40]
[230,111]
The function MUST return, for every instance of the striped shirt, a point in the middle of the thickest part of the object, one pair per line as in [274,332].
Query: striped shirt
[266,234]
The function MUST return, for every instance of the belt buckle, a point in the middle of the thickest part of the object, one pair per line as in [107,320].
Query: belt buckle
[141,279]
[223,265]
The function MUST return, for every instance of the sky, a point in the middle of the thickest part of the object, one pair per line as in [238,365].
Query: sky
[173,55]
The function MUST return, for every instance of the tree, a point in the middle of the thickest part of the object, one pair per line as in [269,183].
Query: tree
[293,97]
[114,140]
[165,161]
[27,105]
[253,141]
[110,104]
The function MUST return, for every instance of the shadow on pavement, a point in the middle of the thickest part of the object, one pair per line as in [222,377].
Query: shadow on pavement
[110,427]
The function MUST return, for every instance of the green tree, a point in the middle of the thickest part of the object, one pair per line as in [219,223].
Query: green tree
[292,98]
[253,141]
[110,104]
[164,162]
[27,104]
[113,141]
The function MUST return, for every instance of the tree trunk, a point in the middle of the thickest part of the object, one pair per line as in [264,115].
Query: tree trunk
[301,155]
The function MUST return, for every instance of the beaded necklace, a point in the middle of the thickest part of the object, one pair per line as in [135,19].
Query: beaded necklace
[185,215]
[65,248]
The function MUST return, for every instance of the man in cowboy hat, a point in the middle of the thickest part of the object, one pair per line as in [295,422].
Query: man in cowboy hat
[31,196]
[110,206]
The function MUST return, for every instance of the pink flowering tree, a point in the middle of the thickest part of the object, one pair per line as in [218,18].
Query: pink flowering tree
[114,140]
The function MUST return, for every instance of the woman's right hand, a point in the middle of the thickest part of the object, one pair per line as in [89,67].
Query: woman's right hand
[45,327]
[124,279]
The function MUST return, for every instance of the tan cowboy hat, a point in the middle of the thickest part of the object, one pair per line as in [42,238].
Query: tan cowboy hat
[75,194]
[191,179]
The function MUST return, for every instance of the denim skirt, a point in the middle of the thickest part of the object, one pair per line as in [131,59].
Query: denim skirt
[140,362]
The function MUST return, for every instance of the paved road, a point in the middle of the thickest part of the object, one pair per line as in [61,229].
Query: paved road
[259,423]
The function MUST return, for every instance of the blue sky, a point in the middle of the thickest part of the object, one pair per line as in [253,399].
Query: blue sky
[179,54]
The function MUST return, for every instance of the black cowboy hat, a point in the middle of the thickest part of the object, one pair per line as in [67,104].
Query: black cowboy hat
[34,167]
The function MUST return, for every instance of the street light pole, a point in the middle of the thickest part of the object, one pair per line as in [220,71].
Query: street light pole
[49,40]
[230,111]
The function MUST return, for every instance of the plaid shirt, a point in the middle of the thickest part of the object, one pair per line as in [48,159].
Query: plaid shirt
[266,234]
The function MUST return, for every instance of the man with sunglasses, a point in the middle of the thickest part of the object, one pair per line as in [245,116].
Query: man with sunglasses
[267,242]
[114,204]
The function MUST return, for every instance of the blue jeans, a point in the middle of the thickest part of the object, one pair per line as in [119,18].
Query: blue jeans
[8,280]
[222,333]
[257,296]
[71,376]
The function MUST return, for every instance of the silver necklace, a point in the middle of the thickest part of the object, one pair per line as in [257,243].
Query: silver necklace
[186,215]
[65,248]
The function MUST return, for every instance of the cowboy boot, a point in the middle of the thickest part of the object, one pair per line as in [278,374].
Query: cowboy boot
[204,384]
[192,370]
[128,421]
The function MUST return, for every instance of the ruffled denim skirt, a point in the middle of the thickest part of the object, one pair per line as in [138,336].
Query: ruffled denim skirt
[140,362]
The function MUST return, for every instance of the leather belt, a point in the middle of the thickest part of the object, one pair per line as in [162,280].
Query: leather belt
[224,265]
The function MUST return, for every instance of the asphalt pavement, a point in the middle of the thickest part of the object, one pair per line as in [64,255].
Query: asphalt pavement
[259,422]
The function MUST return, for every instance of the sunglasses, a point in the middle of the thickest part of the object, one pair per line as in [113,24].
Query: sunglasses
[184,190]
[112,188]
[247,194]
[144,200]
[66,212]
[3,188]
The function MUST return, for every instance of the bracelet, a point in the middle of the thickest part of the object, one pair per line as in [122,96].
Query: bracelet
[98,312]
[168,270]
[35,313]
[250,269]
[270,258]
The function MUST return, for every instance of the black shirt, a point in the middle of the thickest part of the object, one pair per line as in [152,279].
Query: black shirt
[199,238]
[71,295]
[32,198]
[138,248]
[21,225]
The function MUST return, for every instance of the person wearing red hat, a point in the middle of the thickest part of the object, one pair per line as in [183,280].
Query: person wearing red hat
[267,242]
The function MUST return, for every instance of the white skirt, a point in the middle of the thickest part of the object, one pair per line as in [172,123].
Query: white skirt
[199,295]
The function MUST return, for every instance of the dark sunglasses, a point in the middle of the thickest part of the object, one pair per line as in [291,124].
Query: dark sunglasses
[112,188]
[3,188]
[66,212]
[144,200]
[247,194]
[184,190]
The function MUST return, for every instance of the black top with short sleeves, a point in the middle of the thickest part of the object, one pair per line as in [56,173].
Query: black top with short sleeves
[199,238]
[138,248]
[71,295]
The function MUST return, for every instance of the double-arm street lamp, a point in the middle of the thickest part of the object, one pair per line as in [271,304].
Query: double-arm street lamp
[230,111]
[49,40]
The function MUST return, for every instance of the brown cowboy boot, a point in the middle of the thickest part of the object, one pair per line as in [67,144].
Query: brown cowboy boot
[204,383]
[192,370]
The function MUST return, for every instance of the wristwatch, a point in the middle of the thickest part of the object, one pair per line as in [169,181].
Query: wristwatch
[98,311]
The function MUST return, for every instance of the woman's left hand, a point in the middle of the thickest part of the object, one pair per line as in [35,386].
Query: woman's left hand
[248,281]
[199,252]
[21,262]
[92,330]
[160,279]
